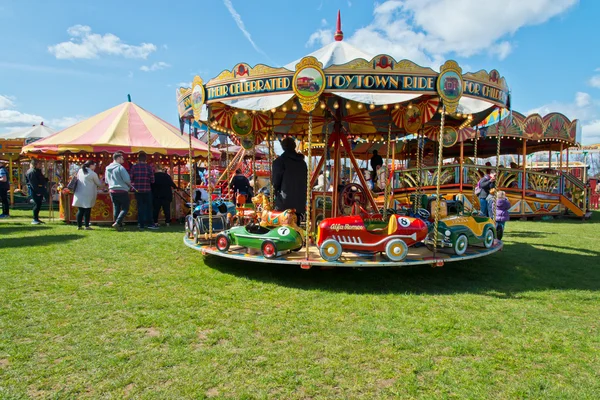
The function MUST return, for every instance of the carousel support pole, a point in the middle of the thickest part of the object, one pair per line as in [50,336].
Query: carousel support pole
[336,171]
[308,188]
[271,191]
[209,184]
[498,141]
[473,196]
[386,196]
[561,158]
[254,166]
[461,167]
[392,174]
[438,183]
[524,180]
[324,162]
[192,172]
[11,189]
[549,159]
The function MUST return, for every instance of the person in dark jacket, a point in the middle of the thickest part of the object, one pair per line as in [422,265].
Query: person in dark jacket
[376,160]
[240,183]
[4,188]
[289,178]
[36,183]
[162,195]
[486,184]
[502,214]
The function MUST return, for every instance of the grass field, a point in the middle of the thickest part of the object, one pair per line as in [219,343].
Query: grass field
[104,314]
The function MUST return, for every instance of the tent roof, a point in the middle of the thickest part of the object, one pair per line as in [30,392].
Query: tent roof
[32,132]
[127,128]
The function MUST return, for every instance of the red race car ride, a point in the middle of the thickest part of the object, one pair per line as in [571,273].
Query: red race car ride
[349,233]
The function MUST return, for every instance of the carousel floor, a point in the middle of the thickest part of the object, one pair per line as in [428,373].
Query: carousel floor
[416,256]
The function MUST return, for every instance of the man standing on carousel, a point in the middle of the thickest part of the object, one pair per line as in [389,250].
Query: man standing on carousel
[289,178]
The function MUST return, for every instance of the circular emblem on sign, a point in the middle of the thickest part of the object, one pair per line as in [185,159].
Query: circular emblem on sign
[247,142]
[404,222]
[241,123]
[450,86]
[283,231]
[449,137]
[308,82]
[412,119]
[198,96]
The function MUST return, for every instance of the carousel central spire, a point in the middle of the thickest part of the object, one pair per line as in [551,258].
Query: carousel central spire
[339,35]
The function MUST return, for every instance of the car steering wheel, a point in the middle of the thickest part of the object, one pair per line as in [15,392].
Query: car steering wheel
[350,195]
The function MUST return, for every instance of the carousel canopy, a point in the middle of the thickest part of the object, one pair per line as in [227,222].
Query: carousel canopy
[127,128]
[33,132]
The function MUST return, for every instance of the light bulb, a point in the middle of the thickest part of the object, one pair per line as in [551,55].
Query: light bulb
[284,108]
[347,105]
[322,105]
[396,106]
[372,106]
[410,106]
[385,106]
[336,105]
[273,110]
[294,107]
[360,106]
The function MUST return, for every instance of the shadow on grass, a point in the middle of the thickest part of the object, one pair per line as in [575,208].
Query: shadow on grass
[518,268]
[21,227]
[35,241]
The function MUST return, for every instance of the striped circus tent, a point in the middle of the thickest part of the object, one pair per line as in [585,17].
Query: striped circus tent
[127,128]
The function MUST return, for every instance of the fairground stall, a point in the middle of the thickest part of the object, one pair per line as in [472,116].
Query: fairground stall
[127,128]
[534,188]
[335,97]
[11,145]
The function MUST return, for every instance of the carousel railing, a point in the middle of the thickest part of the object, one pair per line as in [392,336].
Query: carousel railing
[574,190]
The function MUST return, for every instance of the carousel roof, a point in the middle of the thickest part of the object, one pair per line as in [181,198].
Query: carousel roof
[127,128]
[32,132]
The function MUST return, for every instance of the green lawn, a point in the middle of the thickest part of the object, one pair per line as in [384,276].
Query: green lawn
[105,314]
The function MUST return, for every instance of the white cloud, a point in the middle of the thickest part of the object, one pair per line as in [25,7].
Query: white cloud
[14,118]
[155,67]
[421,31]
[64,122]
[184,84]
[323,22]
[583,99]
[6,102]
[591,132]
[595,81]
[85,44]
[323,37]
[240,23]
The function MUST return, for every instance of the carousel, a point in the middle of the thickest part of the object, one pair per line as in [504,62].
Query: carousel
[130,129]
[332,102]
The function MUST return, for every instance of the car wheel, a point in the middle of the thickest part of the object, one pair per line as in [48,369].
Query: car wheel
[196,232]
[223,242]
[269,250]
[488,238]
[460,245]
[330,250]
[396,250]
[189,226]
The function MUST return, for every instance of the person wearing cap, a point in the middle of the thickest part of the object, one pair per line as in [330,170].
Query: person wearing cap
[289,178]
[4,188]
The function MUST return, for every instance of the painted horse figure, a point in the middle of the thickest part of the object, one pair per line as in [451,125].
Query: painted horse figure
[275,218]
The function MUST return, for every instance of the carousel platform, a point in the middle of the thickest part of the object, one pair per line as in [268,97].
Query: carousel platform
[416,256]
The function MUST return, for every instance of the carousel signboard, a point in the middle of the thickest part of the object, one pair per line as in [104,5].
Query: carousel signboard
[381,74]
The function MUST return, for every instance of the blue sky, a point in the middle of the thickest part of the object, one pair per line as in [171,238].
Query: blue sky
[61,61]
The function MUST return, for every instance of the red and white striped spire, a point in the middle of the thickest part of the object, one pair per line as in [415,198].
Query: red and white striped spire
[339,35]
